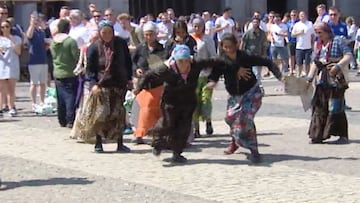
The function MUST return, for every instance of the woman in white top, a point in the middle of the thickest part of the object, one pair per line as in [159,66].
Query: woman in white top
[10,48]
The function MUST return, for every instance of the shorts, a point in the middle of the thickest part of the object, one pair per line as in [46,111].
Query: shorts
[38,74]
[279,52]
[303,54]
[292,48]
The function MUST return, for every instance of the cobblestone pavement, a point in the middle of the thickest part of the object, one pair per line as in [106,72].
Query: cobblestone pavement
[39,163]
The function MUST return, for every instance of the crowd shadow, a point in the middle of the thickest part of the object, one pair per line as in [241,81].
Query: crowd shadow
[45,182]
[8,120]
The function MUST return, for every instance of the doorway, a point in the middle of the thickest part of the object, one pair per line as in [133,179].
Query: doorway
[279,6]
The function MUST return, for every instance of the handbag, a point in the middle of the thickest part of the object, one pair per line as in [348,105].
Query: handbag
[80,68]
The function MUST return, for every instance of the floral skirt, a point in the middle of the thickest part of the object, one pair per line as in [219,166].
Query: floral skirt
[102,114]
[240,115]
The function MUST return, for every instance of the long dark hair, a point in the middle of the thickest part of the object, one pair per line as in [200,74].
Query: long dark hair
[180,24]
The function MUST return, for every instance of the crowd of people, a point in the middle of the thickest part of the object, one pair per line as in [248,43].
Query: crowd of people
[172,65]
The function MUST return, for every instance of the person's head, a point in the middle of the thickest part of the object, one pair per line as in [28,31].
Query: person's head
[5,28]
[109,15]
[124,20]
[257,14]
[334,14]
[34,17]
[277,18]
[255,22]
[64,26]
[350,20]
[229,44]
[96,16]
[199,26]
[75,17]
[286,17]
[164,17]
[293,15]
[180,29]
[171,13]
[227,12]
[206,16]
[150,32]
[142,21]
[106,31]
[303,16]
[92,8]
[182,57]
[64,12]
[149,17]
[321,9]
[4,13]
[323,31]
[271,16]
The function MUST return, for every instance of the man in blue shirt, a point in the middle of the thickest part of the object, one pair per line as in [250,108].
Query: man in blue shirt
[38,67]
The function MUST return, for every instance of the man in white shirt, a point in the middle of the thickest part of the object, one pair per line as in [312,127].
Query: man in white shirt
[224,24]
[262,25]
[165,28]
[323,16]
[63,14]
[78,30]
[279,52]
[305,35]
[110,16]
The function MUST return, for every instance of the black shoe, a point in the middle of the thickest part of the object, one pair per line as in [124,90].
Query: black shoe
[98,144]
[178,159]
[156,151]
[316,142]
[209,128]
[348,107]
[255,157]
[341,140]
[123,148]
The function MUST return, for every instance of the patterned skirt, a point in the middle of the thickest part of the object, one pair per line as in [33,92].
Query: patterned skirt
[328,114]
[240,115]
[204,105]
[102,114]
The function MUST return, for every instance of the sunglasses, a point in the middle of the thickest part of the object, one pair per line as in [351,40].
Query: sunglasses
[319,32]
[3,13]
[97,16]
[332,14]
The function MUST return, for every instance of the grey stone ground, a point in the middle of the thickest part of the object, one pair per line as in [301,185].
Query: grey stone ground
[39,163]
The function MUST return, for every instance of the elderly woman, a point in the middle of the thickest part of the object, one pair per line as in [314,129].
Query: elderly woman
[328,105]
[205,49]
[148,99]
[109,73]
[178,101]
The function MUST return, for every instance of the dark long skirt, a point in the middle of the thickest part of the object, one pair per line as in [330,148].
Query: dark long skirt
[328,114]
[172,130]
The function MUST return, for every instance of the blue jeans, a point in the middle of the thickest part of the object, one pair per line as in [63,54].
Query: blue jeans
[66,89]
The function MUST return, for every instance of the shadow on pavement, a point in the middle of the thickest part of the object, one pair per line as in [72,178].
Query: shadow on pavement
[8,120]
[45,182]
[169,163]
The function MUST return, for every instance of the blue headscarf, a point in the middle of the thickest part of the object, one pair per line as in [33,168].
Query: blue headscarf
[181,51]
[105,23]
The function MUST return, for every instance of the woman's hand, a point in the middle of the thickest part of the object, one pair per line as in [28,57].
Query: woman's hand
[211,85]
[139,72]
[95,89]
[244,73]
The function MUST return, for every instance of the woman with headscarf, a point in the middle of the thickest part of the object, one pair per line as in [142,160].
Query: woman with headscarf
[178,101]
[147,54]
[109,72]
[329,74]
[245,94]
[205,49]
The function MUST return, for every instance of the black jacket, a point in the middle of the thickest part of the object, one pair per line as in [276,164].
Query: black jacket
[120,70]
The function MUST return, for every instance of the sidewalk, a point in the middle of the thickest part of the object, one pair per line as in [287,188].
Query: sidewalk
[293,170]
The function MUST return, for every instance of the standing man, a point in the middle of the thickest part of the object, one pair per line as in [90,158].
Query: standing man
[322,14]
[38,67]
[278,49]
[339,29]
[254,43]
[304,33]
[63,14]
[292,40]
[224,24]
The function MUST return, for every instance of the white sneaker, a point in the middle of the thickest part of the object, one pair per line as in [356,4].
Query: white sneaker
[33,108]
[12,112]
